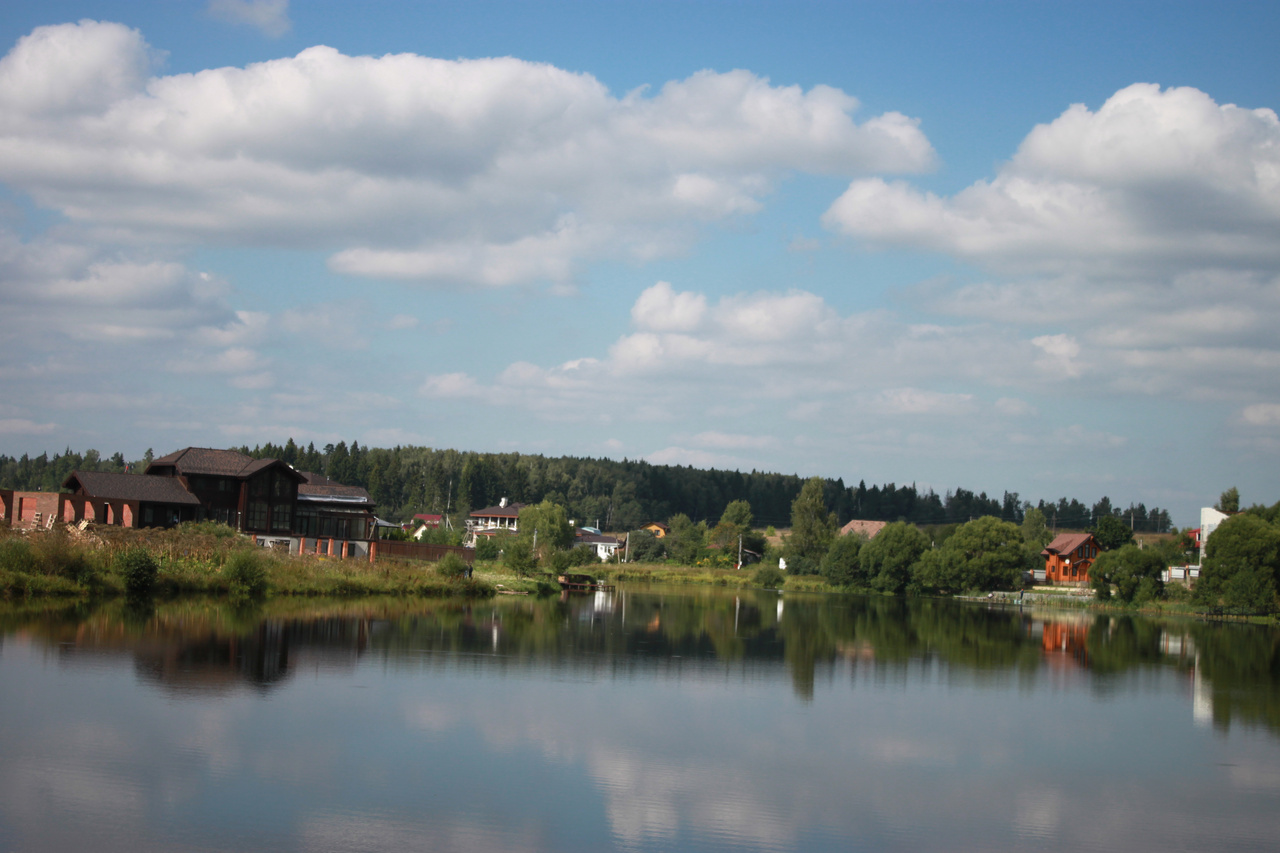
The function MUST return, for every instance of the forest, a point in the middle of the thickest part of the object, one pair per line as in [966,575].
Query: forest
[604,493]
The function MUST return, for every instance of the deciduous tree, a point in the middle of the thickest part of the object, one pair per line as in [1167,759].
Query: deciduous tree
[1241,565]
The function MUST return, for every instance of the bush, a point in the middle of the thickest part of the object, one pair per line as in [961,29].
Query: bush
[802,565]
[246,574]
[519,561]
[139,570]
[487,548]
[17,555]
[56,555]
[451,566]
[768,576]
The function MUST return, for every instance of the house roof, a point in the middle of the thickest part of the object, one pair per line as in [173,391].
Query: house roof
[1066,542]
[317,488]
[130,487]
[424,516]
[596,539]
[659,525]
[511,510]
[858,527]
[218,463]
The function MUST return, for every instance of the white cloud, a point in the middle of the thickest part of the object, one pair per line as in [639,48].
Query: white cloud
[661,309]
[487,171]
[61,72]
[914,401]
[451,385]
[1013,407]
[732,441]
[1153,179]
[697,458]
[269,16]
[1060,352]
[22,426]
[1261,414]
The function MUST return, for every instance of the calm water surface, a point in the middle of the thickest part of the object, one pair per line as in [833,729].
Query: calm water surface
[639,720]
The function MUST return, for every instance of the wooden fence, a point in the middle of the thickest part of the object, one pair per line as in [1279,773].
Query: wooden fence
[392,550]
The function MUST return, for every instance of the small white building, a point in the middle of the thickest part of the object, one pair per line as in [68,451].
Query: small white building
[604,546]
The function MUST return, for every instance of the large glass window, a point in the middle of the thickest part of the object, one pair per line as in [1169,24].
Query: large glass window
[256,516]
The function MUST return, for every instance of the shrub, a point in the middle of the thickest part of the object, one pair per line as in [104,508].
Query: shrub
[56,555]
[139,570]
[17,555]
[451,566]
[246,574]
[801,565]
[519,561]
[768,576]
[582,557]
[487,548]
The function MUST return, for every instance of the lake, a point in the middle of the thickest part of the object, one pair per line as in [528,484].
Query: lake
[643,719]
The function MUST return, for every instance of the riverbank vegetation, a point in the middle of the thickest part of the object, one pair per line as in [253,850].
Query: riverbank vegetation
[199,559]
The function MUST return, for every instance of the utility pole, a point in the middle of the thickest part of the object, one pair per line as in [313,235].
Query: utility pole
[448,505]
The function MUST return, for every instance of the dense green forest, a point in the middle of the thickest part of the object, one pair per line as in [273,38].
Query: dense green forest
[605,493]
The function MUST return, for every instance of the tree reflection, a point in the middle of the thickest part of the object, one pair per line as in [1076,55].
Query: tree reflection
[205,645]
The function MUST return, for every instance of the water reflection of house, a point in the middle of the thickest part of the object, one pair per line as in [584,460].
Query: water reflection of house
[1065,642]
[189,657]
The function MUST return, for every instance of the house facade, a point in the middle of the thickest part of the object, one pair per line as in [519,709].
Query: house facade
[1068,558]
[492,520]
[604,546]
[264,498]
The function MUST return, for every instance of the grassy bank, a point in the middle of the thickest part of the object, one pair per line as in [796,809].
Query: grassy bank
[200,559]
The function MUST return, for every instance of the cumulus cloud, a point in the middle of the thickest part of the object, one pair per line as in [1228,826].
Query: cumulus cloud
[1153,179]
[271,17]
[486,171]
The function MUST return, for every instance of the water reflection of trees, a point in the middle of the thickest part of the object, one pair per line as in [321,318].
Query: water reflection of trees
[201,645]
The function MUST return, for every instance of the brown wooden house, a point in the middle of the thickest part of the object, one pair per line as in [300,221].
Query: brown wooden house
[1068,557]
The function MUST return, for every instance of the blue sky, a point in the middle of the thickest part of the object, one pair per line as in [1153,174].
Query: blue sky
[1021,246]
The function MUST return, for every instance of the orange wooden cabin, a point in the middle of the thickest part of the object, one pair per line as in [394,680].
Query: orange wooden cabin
[1068,557]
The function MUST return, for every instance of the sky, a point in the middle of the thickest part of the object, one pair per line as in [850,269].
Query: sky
[1031,247]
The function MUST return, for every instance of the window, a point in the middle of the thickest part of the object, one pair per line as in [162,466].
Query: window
[281,518]
[256,516]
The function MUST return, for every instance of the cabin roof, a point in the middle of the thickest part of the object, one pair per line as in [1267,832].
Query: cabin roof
[130,487]
[1066,542]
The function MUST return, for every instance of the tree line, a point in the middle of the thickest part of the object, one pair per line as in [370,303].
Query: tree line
[605,493]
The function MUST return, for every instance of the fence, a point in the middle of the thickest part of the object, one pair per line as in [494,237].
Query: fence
[389,549]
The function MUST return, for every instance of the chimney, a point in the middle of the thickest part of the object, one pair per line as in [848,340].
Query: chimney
[502,502]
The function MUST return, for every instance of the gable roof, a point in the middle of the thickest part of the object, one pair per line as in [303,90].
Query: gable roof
[858,527]
[129,487]
[511,510]
[1064,543]
[218,463]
